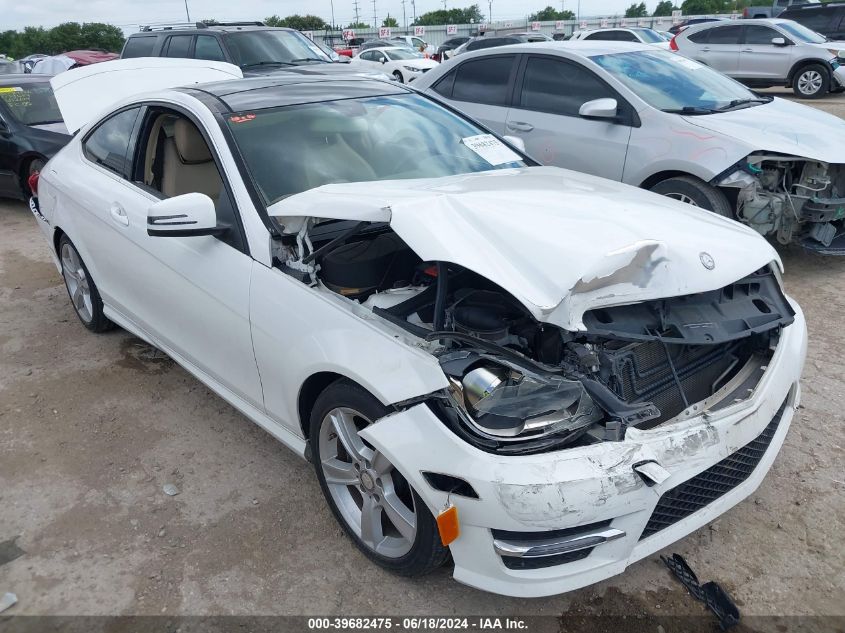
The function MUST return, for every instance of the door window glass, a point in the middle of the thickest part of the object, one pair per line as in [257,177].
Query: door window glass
[208,47]
[559,87]
[725,35]
[761,35]
[178,46]
[484,80]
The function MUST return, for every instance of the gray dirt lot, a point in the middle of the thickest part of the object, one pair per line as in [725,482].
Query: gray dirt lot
[92,427]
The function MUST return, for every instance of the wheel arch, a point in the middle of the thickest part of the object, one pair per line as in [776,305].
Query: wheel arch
[311,389]
[660,176]
[797,66]
[57,236]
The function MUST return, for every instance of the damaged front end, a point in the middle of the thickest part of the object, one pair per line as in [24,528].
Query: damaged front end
[795,199]
[520,387]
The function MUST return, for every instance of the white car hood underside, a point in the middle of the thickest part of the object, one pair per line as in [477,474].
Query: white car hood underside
[560,242]
[781,126]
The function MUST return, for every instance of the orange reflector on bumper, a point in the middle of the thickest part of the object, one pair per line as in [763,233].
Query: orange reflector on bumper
[448,526]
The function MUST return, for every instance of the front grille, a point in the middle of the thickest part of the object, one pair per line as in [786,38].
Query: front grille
[694,494]
[643,373]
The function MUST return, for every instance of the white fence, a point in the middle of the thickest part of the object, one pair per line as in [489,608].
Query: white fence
[436,35]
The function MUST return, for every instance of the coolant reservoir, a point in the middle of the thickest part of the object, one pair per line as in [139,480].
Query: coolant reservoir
[392,297]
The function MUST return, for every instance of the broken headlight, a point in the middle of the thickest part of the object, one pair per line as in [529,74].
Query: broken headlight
[507,404]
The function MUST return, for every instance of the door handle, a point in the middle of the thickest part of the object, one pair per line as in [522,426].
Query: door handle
[705,50]
[118,214]
[747,50]
[519,126]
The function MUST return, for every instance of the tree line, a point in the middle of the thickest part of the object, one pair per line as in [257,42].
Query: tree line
[59,39]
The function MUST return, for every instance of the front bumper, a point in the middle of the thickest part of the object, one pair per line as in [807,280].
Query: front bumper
[594,485]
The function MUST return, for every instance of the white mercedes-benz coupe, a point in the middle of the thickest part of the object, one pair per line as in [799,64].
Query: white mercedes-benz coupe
[548,374]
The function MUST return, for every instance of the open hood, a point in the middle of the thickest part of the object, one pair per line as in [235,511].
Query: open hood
[560,242]
[84,93]
[781,126]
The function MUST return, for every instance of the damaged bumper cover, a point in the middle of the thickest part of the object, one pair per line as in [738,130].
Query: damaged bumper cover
[549,523]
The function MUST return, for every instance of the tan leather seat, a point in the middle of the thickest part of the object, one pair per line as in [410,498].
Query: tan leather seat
[188,164]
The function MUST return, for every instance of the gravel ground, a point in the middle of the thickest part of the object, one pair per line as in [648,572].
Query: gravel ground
[92,427]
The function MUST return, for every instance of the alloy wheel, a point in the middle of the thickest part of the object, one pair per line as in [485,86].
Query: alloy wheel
[371,495]
[810,82]
[77,283]
[682,197]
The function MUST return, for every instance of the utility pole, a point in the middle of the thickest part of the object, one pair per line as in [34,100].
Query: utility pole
[187,13]
[334,24]
[355,5]
[489,11]
[375,17]
[404,16]
[414,9]
[444,5]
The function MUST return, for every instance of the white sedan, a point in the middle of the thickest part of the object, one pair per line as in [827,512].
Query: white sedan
[546,374]
[402,64]
[639,35]
[660,121]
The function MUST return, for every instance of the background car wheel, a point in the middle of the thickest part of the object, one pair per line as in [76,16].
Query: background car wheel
[811,82]
[695,192]
[36,164]
[83,293]
[398,76]
[372,501]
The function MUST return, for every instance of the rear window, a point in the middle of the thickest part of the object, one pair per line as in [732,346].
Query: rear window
[31,104]
[814,19]
[142,46]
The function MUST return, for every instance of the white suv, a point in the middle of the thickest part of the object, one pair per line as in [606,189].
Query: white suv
[767,52]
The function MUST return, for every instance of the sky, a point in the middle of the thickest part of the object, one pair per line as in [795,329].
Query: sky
[128,14]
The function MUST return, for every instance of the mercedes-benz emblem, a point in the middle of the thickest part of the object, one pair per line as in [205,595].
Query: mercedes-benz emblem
[707,260]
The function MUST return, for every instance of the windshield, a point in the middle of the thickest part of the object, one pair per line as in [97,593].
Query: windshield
[400,54]
[648,36]
[668,81]
[258,48]
[802,33]
[294,148]
[31,103]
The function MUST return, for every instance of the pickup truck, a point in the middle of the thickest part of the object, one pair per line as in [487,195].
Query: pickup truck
[774,9]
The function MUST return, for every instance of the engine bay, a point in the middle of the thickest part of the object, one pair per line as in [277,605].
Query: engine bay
[794,199]
[518,385]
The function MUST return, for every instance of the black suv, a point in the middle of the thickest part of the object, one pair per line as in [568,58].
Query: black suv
[255,48]
[827,19]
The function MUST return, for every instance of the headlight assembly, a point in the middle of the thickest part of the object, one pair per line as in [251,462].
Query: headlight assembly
[411,69]
[509,405]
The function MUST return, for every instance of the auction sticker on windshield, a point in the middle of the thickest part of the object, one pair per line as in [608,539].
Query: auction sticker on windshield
[491,149]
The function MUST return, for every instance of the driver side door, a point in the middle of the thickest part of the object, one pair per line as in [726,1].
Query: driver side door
[191,294]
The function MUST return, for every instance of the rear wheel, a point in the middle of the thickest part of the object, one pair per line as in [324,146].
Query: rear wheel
[811,82]
[696,192]
[83,293]
[372,501]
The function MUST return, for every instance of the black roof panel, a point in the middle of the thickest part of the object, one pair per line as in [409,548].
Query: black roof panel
[291,88]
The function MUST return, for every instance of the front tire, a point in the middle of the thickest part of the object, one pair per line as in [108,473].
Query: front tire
[398,76]
[83,293]
[811,82]
[696,192]
[371,500]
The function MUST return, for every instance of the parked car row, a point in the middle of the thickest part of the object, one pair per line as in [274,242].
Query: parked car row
[449,297]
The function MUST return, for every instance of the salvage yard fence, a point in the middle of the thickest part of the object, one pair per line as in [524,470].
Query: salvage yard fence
[436,35]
